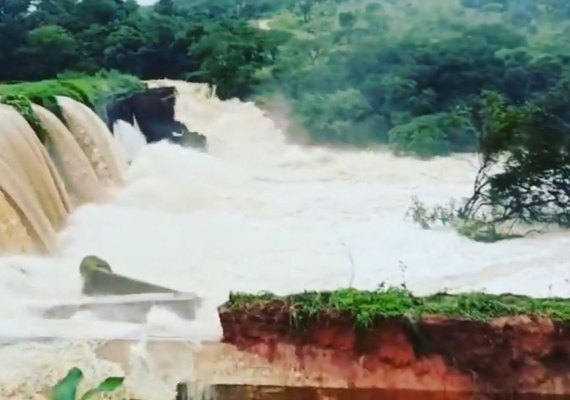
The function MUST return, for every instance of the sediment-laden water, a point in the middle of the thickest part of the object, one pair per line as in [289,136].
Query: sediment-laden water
[255,213]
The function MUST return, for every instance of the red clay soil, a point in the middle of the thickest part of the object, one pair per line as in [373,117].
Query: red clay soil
[243,392]
[508,355]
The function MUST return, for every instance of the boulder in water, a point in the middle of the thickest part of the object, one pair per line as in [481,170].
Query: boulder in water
[153,111]
[126,299]
[100,280]
[119,298]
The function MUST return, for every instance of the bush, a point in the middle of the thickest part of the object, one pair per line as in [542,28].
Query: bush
[24,107]
[342,117]
[480,228]
[89,90]
[433,135]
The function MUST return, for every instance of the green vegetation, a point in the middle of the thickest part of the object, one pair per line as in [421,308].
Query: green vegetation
[93,91]
[482,227]
[67,388]
[409,73]
[90,90]
[23,105]
[424,78]
[365,307]
[524,174]
[41,38]
[355,72]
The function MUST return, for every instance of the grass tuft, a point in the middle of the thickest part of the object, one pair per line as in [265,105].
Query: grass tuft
[366,307]
[24,107]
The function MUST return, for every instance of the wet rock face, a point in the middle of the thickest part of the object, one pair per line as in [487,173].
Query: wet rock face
[154,112]
[508,355]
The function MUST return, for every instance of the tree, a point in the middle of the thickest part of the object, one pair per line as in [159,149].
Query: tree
[53,12]
[100,12]
[557,8]
[122,50]
[347,20]
[165,7]
[433,135]
[532,149]
[306,6]
[229,56]
[49,50]
[13,10]
[335,117]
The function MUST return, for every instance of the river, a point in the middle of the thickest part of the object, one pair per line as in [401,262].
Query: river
[256,213]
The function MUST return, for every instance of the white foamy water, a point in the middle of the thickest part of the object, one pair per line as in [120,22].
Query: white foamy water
[259,214]
[130,138]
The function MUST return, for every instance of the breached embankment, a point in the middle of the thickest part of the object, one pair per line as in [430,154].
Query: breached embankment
[464,345]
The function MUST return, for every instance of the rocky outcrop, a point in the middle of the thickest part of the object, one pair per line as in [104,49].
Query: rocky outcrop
[119,298]
[153,111]
[434,354]
[100,280]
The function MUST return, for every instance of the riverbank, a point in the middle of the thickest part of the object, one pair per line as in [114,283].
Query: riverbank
[393,340]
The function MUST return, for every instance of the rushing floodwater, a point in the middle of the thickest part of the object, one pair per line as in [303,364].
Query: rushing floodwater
[258,214]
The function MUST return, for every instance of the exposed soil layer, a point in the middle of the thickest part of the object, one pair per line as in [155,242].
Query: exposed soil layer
[442,354]
[236,392]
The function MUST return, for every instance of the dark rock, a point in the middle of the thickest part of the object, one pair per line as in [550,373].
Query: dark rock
[100,280]
[154,113]
[119,298]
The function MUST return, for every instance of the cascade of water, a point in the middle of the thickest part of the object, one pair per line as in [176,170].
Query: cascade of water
[14,237]
[29,155]
[23,211]
[136,123]
[180,208]
[94,138]
[70,160]
[130,138]
[30,179]
[35,180]
[201,111]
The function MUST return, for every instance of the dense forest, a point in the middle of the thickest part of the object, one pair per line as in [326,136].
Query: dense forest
[401,73]
[422,77]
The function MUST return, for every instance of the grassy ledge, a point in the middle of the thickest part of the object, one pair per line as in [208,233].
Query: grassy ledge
[94,91]
[368,306]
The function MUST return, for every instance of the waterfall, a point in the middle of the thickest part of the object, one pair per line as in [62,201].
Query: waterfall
[253,214]
[24,152]
[29,179]
[130,138]
[41,183]
[94,138]
[16,232]
[136,123]
[72,163]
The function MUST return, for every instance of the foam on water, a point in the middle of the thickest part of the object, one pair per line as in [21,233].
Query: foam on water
[260,214]
[130,138]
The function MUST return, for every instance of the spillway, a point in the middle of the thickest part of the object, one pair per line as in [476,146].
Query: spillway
[255,213]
